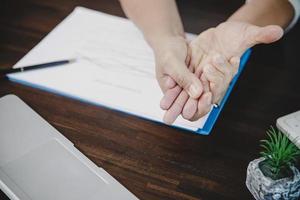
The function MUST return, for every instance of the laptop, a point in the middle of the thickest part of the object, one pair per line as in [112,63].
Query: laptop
[37,162]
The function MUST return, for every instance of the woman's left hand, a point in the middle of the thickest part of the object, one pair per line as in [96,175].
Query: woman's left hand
[215,56]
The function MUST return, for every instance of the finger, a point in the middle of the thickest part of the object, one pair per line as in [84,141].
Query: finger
[217,83]
[203,79]
[223,66]
[169,82]
[268,34]
[233,66]
[188,57]
[176,108]
[161,79]
[165,82]
[205,83]
[196,54]
[204,106]
[170,97]
[185,79]
[190,108]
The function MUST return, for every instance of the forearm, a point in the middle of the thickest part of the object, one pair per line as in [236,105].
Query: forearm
[157,19]
[265,12]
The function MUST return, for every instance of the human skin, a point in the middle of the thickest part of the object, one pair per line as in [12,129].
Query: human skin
[195,75]
[162,28]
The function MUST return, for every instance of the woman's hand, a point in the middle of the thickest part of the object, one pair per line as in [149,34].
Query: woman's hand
[171,57]
[215,55]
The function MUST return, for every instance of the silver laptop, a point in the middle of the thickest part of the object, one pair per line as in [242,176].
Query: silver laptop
[37,162]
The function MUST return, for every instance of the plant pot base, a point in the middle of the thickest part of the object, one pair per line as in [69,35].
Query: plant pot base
[265,188]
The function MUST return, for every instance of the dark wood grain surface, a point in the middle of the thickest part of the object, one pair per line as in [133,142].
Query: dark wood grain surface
[155,161]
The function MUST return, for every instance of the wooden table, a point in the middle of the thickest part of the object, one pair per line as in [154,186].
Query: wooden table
[152,160]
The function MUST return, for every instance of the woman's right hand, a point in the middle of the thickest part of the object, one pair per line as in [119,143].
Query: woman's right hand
[172,59]
[176,80]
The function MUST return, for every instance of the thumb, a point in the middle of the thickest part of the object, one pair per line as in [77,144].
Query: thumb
[186,79]
[265,35]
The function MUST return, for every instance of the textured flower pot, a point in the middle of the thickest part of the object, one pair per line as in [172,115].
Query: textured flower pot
[265,188]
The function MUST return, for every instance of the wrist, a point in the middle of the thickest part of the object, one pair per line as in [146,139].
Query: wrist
[168,49]
[159,40]
[166,43]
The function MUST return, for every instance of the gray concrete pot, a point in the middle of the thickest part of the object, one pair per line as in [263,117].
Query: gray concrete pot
[265,188]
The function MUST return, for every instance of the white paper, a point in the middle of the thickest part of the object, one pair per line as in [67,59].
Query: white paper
[114,67]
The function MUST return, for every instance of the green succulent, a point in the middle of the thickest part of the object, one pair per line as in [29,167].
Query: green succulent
[279,153]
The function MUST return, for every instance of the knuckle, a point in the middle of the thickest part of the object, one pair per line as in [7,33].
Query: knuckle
[180,80]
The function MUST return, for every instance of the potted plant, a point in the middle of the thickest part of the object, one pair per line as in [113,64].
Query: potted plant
[274,176]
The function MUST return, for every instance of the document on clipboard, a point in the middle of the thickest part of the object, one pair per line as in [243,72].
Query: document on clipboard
[114,67]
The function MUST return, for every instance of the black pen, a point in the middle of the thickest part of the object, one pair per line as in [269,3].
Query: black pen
[37,66]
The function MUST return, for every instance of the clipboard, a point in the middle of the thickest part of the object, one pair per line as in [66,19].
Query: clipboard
[210,122]
[81,22]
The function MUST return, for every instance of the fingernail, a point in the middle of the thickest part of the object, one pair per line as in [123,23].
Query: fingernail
[193,91]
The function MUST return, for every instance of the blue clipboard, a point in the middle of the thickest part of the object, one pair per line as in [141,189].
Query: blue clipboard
[211,120]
